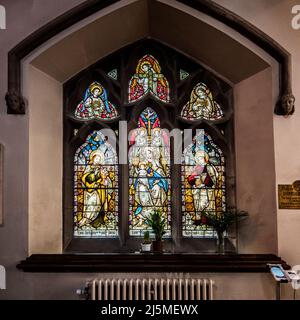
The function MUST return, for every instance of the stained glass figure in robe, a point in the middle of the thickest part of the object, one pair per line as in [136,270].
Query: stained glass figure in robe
[148,79]
[149,170]
[95,104]
[201,105]
[203,184]
[96,188]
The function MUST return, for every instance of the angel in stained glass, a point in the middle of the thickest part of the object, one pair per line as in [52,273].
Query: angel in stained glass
[148,79]
[95,104]
[201,105]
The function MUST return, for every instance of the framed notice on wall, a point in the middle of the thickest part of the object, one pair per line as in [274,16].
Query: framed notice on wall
[1,182]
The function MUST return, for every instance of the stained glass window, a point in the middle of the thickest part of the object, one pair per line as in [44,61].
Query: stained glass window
[110,202]
[95,104]
[201,105]
[148,79]
[203,184]
[149,171]
[96,188]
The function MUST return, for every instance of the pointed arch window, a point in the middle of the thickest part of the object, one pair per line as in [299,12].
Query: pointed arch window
[155,90]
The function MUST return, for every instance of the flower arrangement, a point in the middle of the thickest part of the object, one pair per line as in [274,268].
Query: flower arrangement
[221,222]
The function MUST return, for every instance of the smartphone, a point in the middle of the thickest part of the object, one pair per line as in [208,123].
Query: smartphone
[278,273]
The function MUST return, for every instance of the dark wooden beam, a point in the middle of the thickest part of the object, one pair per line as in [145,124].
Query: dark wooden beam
[149,263]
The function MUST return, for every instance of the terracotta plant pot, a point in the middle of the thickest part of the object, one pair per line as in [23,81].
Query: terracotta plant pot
[157,246]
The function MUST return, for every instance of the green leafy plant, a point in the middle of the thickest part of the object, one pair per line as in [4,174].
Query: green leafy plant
[221,222]
[146,238]
[157,222]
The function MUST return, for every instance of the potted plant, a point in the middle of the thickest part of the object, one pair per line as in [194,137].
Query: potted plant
[146,244]
[157,222]
[221,223]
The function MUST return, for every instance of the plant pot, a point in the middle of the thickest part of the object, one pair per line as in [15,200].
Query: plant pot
[157,246]
[146,247]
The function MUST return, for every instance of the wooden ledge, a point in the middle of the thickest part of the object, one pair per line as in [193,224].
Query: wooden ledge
[149,263]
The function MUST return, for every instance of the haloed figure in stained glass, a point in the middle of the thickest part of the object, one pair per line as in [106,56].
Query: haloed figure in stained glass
[203,178]
[95,104]
[95,188]
[149,172]
[97,195]
[201,105]
[148,79]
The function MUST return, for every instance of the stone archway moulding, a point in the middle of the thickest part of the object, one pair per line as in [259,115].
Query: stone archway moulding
[15,101]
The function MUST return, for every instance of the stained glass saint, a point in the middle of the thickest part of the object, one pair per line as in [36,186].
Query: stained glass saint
[96,188]
[201,105]
[148,79]
[95,104]
[203,184]
[149,168]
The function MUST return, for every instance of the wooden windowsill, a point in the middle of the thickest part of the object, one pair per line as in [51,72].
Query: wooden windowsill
[149,263]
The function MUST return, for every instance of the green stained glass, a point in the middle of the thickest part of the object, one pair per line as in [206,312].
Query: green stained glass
[113,74]
[183,74]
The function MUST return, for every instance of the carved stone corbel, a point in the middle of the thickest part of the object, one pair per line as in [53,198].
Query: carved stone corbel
[285,105]
[15,103]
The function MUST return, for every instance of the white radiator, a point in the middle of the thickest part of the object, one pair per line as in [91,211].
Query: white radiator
[151,289]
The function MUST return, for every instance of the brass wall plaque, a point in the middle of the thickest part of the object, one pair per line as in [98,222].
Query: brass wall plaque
[289,196]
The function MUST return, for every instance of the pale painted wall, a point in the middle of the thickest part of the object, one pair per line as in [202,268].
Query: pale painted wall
[255,165]
[45,162]
[274,18]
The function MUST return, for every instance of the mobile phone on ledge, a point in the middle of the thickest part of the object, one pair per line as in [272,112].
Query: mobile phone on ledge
[278,272]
